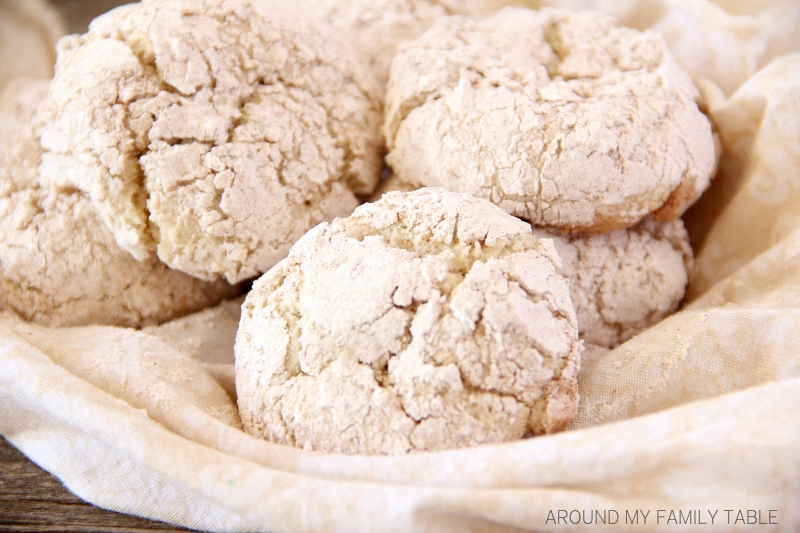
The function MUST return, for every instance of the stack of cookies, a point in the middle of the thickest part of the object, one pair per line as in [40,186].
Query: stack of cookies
[540,160]
[588,131]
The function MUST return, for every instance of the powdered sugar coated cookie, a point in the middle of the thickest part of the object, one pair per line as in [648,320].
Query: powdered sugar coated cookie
[59,264]
[560,118]
[427,320]
[210,134]
[624,281]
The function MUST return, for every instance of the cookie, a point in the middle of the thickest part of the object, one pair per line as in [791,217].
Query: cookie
[624,281]
[210,135]
[59,263]
[560,118]
[425,321]
[373,28]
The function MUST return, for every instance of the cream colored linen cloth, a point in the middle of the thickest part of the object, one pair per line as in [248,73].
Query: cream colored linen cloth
[699,415]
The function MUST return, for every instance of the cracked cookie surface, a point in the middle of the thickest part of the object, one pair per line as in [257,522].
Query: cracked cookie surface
[624,281]
[373,28]
[59,264]
[560,118]
[427,320]
[210,135]
[621,282]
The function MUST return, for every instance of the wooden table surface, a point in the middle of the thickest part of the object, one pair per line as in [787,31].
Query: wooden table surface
[33,500]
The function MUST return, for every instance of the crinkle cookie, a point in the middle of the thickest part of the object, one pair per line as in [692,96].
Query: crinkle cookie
[59,263]
[425,321]
[29,30]
[624,281]
[210,133]
[560,118]
[373,28]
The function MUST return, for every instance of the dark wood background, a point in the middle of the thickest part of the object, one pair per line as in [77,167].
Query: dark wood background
[77,14]
[33,500]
